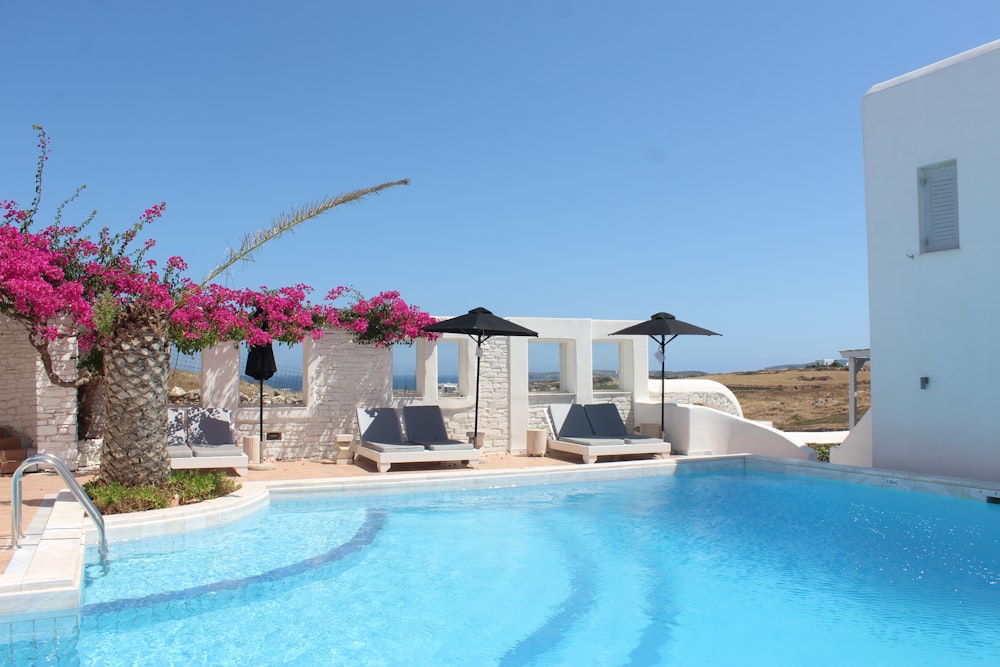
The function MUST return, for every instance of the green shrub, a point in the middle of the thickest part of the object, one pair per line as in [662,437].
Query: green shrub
[194,487]
[822,452]
[184,485]
[113,498]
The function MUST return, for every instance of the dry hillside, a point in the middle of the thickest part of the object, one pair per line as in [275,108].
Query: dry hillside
[802,399]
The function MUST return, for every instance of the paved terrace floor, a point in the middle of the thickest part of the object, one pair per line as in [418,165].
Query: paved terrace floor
[37,485]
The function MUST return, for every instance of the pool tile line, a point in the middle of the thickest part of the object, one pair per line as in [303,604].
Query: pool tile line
[363,537]
[548,636]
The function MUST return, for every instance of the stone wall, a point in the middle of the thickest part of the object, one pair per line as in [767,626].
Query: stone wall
[30,405]
[339,376]
[17,389]
[697,391]
[494,397]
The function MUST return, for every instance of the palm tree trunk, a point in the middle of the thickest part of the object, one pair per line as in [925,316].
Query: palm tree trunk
[90,409]
[136,366]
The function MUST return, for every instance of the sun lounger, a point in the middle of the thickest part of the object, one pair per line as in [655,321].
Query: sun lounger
[592,431]
[204,438]
[382,442]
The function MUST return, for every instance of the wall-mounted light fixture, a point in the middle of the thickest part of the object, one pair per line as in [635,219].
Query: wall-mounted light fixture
[924,381]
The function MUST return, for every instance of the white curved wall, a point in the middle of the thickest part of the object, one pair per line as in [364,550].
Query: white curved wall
[856,450]
[698,391]
[699,430]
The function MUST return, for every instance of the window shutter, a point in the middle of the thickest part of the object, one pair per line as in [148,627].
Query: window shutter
[939,207]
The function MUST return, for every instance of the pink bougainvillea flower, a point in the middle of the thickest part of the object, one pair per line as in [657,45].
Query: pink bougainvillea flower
[62,282]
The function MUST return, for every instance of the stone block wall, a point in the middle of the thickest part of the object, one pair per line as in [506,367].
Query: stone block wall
[30,405]
[494,398]
[17,372]
[338,376]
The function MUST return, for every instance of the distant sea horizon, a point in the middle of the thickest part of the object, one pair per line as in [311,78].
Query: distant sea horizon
[408,381]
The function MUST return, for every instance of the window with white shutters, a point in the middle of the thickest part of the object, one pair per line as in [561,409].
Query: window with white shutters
[938,188]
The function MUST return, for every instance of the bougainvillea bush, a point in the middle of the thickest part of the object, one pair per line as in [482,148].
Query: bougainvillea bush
[126,311]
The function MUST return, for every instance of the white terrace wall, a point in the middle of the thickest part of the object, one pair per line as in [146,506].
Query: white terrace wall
[30,406]
[340,375]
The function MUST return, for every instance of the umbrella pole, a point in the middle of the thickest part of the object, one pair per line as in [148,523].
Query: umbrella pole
[260,443]
[475,424]
[663,375]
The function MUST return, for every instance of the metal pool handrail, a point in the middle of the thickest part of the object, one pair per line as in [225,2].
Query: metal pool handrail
[74,486]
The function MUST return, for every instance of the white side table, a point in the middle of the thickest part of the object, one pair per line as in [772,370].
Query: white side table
[536,441]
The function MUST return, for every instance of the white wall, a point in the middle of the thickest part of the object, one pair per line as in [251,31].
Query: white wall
[697,430]
[935,315]
[856,450]
[340,375]
[30,406]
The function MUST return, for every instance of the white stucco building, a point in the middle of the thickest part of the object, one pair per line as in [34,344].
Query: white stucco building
[932,177]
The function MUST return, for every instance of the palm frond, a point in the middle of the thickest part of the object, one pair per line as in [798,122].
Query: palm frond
[289,221]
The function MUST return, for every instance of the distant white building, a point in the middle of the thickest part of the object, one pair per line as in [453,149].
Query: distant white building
[932,178]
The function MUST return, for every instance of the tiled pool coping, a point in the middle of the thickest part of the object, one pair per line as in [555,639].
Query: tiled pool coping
[45,576]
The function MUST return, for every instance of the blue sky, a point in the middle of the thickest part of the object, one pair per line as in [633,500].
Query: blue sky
[567,159]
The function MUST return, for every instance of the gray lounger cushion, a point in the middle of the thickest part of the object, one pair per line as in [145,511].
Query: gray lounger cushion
[607,422]
[425,425]
[576,425]
[216,450]
[176,428]
[179,451]
[210,426]
[594,441]
[448,446]
[384,428]
[388,448]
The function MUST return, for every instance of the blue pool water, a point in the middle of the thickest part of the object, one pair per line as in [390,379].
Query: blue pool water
[710,568]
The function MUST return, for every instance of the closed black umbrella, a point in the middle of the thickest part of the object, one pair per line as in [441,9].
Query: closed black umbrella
[261,366]
[481,325]
[659,327]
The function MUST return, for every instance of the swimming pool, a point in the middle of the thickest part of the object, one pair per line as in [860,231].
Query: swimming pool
[706,568]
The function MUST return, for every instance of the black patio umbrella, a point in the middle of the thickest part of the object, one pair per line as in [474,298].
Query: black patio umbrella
[659,327]
[481,325]
[261,366]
